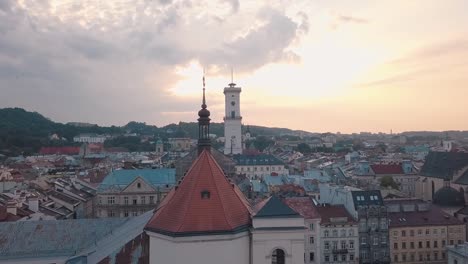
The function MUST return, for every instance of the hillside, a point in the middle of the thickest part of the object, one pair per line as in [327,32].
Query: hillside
[23,132]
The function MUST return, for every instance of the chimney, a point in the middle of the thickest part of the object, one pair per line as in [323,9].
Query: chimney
[33,203]
[11,207]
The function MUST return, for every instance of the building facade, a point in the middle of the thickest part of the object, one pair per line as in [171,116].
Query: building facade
[339,241]
[258,166]
[125,193]
[457,254]
[89,138]
[232,120]
[420,232]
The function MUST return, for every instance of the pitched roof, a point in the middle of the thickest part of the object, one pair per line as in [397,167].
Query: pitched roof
[119,179]
[432,217]
[387,169]
[444,164]
[262,159]
[304,206]
[328,212]
[274,207]
[205,202]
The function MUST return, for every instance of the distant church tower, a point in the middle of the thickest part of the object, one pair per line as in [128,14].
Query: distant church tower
[232,120]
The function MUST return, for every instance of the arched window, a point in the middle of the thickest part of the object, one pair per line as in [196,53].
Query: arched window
[277,257]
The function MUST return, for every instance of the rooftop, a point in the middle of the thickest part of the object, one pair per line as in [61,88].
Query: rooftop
[304,206]
[262,159]
[205,202]
[330,212]
[367,198]
[387,169]
[274,207]
[119,179]
[444,165]
[434,216]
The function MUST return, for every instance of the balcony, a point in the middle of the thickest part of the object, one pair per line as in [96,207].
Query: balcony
[340,251]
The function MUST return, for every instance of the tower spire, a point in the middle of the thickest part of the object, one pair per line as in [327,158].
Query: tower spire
[204,142]
[232,84]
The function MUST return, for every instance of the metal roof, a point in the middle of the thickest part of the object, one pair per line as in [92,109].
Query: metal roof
[119,179]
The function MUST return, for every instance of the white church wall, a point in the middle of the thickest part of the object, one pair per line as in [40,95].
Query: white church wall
[226,249]
[265,242]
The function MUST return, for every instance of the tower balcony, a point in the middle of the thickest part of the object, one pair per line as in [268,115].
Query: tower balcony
[232,118]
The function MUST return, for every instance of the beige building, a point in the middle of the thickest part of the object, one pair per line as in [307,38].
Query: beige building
[180,144]
[125,193]
[420,232]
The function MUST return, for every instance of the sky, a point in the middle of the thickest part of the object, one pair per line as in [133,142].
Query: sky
[315,65]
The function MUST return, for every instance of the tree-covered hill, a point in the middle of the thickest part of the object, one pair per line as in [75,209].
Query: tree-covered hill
[24,132]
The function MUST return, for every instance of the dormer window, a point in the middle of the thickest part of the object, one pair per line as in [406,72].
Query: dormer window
[138,185]
[205,195]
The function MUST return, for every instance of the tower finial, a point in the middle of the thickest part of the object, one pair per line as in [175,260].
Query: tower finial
[204,100]
[232,84]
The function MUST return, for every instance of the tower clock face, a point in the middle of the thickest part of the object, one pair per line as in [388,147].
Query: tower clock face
[233,103]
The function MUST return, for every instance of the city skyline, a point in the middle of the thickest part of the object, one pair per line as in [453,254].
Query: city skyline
[308,65]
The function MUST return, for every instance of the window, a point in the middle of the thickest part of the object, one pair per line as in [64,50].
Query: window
[335,233]
[351,257]
[205,195]
[138,185]
[110,200]
[411,233]
[343,232]
[434,231]
[451,242]
[443,255]
[343,257]
[335,244]
[343,244]
[351,232]
[363,240]
[419,232]
[395,233]
[311,240]
[412,257]
[233,114]
[143,200]
[327,245]
[376,255]
[326,233]
[111,213]
[403,233]
[134,213]
[134,201]
[311,227]
[443,243]
[395,258]
[100,200]
[126,213]
[395,245]
[376,241]
[420,244]
[420,257]
[428,256]
[412,245]
[442,231]
[327,258]
[436,256]
[351,244]
[428,244]
[435,244]
[277,257]
[311,256]
[427,232]
[403,245]
[335,257]
[151,201]
[126,200]
[403,257]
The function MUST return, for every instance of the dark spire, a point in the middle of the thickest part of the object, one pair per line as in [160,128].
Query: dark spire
[204,142]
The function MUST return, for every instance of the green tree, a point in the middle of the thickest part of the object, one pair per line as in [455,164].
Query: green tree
[388,181]
[304,148]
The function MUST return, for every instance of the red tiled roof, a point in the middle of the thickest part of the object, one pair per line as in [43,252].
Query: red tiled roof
[387,169]
[184,212]
[59,150]
[304,206]
[331,211]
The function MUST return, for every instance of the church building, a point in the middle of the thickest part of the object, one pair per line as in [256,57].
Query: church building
[206,219]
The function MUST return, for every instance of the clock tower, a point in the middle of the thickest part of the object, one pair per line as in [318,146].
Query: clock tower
[232,120]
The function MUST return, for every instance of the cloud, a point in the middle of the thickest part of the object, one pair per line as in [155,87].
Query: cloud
[340,19]
[110,62]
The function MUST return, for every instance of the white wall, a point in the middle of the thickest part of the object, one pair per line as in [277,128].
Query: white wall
[226,249]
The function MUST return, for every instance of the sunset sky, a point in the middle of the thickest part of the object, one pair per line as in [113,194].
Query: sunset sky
[315,65]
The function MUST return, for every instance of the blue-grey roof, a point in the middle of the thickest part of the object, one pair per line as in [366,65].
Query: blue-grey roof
[262,159]
[274,207]
[319,175]
[119,179]
[34,239]
[258,186]
[367,198]
[274,180]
